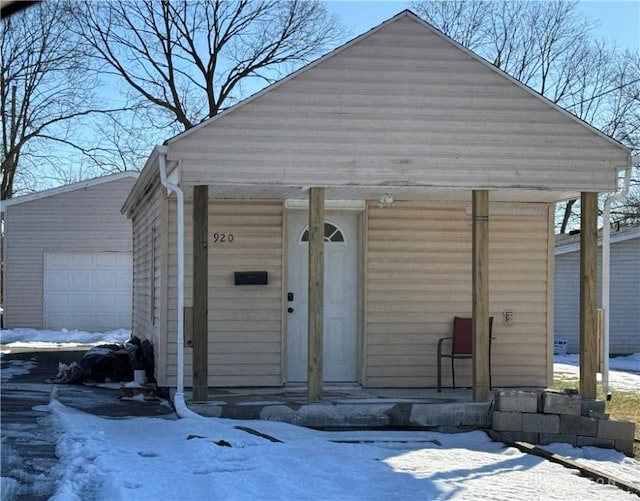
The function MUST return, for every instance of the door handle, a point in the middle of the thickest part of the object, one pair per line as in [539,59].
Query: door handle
[290,309]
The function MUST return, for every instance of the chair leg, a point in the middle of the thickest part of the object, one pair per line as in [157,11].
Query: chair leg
[453,374]
[439,364]
[490,385]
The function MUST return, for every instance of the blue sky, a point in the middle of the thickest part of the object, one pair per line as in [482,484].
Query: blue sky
[618,21]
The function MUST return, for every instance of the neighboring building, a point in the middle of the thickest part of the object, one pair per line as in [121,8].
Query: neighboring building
[624,272]
[68,258]
[399,127]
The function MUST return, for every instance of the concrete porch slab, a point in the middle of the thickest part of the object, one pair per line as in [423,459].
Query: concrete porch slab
[349,406]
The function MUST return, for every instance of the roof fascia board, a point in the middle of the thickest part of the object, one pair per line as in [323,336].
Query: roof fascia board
[147,175]
[69,187]
[615,238]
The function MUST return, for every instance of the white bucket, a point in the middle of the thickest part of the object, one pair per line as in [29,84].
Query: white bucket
[139,377]
[560,347]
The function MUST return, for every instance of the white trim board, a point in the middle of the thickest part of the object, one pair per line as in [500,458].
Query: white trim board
[615,237]
[328,204]
[69,187]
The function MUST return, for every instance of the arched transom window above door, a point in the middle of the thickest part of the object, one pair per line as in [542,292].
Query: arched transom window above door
[332,234]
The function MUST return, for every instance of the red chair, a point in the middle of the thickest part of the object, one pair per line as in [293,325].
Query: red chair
[461,347]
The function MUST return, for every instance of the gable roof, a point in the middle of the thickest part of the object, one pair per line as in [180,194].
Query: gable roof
[69,187]
[402,109]
[411,15]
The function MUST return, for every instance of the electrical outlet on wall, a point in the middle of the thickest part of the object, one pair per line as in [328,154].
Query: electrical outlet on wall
[508,317]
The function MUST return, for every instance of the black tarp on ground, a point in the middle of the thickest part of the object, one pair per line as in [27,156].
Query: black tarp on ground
[110,362]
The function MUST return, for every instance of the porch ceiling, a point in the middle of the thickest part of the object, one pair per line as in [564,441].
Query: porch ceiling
[281,192]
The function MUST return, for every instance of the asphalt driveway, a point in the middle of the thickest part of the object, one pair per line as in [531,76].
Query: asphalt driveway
[28,438]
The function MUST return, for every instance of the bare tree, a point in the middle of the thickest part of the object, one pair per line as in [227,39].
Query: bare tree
[466,21]
[609,97]
[45,91]
[528,40]
[550,47]
[185,60]
[622,106]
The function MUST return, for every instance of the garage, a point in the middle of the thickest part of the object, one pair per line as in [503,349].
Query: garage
[68,257]
[87,290]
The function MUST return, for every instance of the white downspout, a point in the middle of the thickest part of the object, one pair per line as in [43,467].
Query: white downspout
[606,241]
[178,401]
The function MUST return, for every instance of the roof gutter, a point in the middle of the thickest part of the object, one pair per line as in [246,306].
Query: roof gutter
[606,258]
[178,400]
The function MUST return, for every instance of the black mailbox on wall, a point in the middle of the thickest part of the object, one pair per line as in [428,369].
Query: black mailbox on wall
[251,278]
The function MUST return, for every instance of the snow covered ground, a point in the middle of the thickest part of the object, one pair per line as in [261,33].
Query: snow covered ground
[32,338]
[624,372]
[43,339]
[209,458]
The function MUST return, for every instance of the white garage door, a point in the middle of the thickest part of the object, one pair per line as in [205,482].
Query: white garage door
[87,290]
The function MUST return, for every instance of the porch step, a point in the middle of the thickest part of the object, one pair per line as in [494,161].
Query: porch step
[440,414]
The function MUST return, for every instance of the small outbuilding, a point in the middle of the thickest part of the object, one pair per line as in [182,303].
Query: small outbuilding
[68,257]
[336,222]
[624,326]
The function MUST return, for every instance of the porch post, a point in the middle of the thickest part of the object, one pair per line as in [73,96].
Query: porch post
[480,297]
[316,293]
[588,294]
[200,285]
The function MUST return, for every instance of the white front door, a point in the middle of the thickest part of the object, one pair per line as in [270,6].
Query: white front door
[340,340]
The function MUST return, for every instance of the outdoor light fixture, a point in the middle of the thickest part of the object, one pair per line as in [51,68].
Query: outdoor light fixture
[386,199]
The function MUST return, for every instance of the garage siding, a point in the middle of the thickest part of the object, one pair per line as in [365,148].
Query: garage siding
[82,220]
[245,322]
[419,278]
[624,296]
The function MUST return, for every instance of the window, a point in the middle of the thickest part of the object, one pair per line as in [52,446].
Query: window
[331,233]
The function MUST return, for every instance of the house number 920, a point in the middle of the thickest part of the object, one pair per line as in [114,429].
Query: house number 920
[221,238]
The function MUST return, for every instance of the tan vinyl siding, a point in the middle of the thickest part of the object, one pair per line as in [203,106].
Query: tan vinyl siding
[148,255]
[82,220]
[400,107]
[624,327]
[419,278]
[245,324]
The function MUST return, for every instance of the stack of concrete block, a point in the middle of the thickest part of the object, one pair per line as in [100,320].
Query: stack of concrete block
[547,416]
